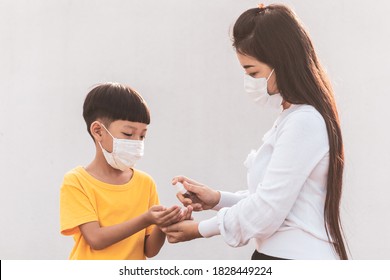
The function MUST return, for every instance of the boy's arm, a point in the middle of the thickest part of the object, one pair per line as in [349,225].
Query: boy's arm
[101,237]
[154,242]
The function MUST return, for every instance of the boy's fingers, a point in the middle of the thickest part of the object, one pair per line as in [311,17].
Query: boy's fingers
[158,208]
[183,214]
[189,212]
[171,209]
[169,215]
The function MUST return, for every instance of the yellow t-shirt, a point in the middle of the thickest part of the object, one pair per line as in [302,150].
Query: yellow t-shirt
[84,199]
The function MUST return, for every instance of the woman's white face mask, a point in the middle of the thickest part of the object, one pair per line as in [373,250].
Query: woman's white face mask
[257,88]
[125,153]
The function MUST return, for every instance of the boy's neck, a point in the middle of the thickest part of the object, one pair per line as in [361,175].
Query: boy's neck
[102,171]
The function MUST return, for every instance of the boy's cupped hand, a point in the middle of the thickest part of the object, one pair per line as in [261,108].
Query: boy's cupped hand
[163,217]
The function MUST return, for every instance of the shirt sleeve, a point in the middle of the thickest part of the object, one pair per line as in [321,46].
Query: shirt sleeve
[228,199]
[209,227]
[75,207]
[300,144]
[153,200]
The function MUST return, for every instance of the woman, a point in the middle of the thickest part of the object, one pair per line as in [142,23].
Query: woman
[292,205]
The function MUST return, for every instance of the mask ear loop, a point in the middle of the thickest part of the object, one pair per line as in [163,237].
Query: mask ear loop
[110,135]
[270,74]
[112,143]
[107,130]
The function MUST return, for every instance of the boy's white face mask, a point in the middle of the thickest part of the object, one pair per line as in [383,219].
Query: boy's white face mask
[257,89]
[125,153]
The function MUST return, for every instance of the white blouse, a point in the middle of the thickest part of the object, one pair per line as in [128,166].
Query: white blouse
[283,208]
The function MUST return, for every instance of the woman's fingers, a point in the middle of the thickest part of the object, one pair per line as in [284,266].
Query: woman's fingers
[186,201]
[197,207]
[182,179]
[183,231]
[173,238]
[179,179]
[196,189]
[171,228]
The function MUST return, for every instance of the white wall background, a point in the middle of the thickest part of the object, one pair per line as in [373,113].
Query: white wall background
[178,55]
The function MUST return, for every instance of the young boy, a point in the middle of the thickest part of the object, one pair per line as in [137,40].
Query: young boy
[109,207]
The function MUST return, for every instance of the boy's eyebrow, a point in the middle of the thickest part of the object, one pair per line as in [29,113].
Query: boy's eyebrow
[133,127]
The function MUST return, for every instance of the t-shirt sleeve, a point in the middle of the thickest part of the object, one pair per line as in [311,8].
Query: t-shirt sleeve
[153,200]
[75,207]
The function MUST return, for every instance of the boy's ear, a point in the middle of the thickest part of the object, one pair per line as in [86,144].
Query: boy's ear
[96,130]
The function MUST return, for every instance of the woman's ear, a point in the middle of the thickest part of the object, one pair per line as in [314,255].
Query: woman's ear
[96,131]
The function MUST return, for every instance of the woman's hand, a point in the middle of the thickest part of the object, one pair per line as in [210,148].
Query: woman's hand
[206,198]
[183,231]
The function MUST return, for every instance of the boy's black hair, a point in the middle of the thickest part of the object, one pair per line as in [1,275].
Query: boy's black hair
[112,101]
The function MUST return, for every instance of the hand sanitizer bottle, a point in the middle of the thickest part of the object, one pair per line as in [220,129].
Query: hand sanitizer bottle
[187,194]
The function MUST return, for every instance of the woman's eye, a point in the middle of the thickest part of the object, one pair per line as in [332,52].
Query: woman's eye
[253,74]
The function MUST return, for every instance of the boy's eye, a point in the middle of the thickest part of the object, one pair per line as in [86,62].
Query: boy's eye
[127,134]
[142,137]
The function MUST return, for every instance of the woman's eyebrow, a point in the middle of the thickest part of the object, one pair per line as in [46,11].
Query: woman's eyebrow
[248,66]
